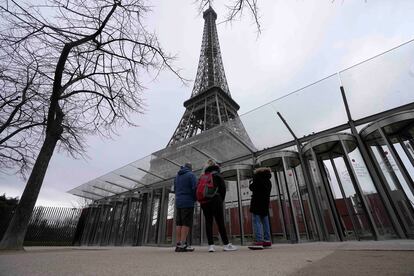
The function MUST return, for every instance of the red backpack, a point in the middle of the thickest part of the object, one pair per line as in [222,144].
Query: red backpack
[206,189]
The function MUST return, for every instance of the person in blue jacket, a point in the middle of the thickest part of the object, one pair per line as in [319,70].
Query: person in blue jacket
[185,184]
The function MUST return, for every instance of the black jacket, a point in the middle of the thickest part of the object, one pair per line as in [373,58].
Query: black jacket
[217,180]
[261,187]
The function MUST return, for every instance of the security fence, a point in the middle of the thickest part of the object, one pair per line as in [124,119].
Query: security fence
[53,226]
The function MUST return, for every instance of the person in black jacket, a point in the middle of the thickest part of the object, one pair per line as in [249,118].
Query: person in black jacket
[259,207]
[214,209]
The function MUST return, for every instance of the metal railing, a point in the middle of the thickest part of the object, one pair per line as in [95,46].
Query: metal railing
[52,226]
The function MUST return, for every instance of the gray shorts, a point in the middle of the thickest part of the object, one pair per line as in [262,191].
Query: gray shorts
[184,217]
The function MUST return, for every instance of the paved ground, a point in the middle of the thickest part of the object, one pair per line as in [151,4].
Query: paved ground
[348,258]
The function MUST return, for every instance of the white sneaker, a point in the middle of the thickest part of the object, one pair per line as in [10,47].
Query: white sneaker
[211,248]
[230,247]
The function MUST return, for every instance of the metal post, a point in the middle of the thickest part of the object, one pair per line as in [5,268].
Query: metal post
[398,220]
[334,211]
[404,147]
[162,217]
[148,218]
[240,208]
[105,223]
[351,214]
[110,222]
[360,192]
[205,114]
[296,182]
[218,108]
[203,225]
[292,208]
[281,204]
[119,230]
[174,233]
[321,231]
[126,221]
[324,191]
[398,161]
[411,142]
[111,240]
[140,222]
[96,226]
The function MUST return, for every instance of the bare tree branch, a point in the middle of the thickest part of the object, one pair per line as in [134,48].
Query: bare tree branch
[235,10]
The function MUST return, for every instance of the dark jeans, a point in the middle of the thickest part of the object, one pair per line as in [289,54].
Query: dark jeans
[214,208]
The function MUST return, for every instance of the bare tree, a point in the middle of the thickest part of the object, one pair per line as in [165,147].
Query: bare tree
[22,108]
[93,55]
[71,68]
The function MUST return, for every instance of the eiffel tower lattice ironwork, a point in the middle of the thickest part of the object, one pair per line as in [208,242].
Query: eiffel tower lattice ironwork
[210,103]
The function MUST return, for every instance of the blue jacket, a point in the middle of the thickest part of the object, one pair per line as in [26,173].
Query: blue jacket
[185,185]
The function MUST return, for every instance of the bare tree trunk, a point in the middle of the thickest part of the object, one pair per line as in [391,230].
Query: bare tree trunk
[16,231]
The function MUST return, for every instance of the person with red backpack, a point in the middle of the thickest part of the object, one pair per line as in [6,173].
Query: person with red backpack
[211,192]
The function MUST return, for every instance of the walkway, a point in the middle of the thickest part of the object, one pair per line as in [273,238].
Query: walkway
[321,258]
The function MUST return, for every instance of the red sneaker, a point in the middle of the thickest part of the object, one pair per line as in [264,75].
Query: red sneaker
[256,246]
[267,244]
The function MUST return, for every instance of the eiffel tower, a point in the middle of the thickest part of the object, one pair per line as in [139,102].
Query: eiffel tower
[210,112]
[210,104]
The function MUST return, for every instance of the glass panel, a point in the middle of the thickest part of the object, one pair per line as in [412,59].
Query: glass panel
[169,223]
[245,180]
[375,204]
[305,197]
[196,230]
[232,220]
[309,114]
[343,204]
[101,223]
[154,217]
[108,224]
[322,201]
[352,202]
[384,82]
[263,137]
[115,223]
[87,234]
[410,145]
[275,213]
[220,143]
[306,110]
[396,184]
[133,221]
[286,208]
[297,204]
[122,222]
[405,161]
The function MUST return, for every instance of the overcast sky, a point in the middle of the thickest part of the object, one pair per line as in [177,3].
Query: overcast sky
[301,42]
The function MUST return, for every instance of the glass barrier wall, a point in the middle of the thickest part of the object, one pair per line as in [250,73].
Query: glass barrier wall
[346,204]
